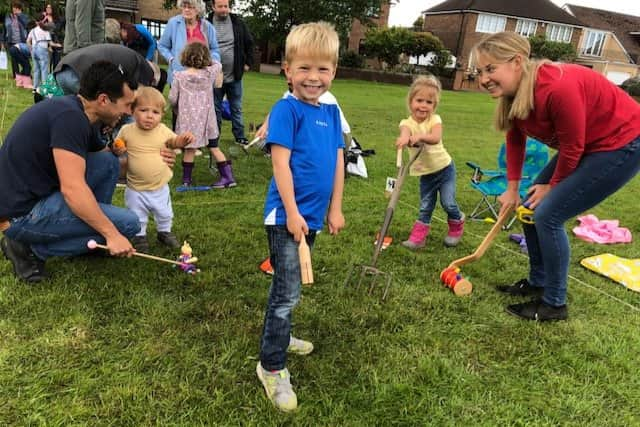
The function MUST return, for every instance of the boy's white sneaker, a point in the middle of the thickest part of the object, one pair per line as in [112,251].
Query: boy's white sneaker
[300,347]
[277,385]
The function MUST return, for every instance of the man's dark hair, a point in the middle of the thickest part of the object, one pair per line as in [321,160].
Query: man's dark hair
[17,5]
[105,77]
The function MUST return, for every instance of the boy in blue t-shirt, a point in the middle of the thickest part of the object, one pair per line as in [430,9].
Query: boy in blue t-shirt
[306,144]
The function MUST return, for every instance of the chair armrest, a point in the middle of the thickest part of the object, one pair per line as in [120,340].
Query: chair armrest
[479,173]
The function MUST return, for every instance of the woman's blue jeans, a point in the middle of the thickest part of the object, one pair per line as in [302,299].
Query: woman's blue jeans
[52,229]
[597,176]
[284,295]
[443,181]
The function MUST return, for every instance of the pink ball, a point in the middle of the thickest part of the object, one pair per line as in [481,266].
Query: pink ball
[91,244]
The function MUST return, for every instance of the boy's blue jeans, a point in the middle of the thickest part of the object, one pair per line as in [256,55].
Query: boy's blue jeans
[52,229]
[443,181]
[597,176]
[284,295]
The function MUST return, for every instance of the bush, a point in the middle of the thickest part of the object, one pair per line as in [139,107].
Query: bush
[555,51]
[351,59]
[632,86]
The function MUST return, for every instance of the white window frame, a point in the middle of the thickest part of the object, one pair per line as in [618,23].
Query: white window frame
[490,23]
[559,33]
[593,42]
[526,27]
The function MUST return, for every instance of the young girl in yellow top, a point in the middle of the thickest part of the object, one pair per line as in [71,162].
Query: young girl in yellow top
[435,167]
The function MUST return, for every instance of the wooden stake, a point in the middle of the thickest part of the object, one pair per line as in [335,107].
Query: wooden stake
[304,254]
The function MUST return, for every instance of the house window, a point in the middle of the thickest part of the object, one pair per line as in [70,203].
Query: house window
[593,42]
[156,28]
[490,23]
[559,33]
[526,27]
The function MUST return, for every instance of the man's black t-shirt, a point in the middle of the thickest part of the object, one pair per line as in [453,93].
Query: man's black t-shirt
[27,169]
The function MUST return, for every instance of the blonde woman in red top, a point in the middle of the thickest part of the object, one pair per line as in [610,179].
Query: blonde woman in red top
[595,128]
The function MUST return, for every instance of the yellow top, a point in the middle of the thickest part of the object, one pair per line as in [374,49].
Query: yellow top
[145,168]
[434,157]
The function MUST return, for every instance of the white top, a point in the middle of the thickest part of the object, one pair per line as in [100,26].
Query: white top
[39,36]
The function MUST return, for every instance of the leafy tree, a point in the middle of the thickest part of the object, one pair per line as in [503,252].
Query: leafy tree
[272,19]
[632,86]
[387,44]
[33,8]
[418,24]
[555,51]
[423,43]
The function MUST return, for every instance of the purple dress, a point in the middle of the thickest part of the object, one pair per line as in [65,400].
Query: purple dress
[192,94]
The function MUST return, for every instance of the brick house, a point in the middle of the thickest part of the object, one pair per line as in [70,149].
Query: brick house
[460,24]
[610,43]
[359,30]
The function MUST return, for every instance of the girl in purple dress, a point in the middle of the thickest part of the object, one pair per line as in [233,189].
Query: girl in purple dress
[192,96]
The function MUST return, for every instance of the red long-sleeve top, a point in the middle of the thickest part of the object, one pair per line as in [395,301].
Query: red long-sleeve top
[576,111]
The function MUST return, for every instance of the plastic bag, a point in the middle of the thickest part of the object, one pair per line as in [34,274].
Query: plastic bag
[4,62]
[49,88]
[226,109]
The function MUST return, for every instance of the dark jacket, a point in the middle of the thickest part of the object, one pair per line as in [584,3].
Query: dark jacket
[133,63]
[242,45]
[22,22]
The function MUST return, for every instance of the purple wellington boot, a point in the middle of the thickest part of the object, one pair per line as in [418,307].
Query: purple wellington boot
[226,176]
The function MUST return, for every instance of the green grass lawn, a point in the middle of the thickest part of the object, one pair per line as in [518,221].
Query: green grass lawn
[134,342]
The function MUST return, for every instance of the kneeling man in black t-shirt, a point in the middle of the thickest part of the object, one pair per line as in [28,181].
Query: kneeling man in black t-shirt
[56,184]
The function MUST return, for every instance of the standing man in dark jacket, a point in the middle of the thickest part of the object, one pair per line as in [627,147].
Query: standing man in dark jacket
[236,54]
[15,40]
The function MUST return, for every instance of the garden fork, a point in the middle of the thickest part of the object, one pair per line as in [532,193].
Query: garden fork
[370,270]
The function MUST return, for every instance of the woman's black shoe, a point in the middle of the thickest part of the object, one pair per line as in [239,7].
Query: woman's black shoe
[521,288]
[538,310]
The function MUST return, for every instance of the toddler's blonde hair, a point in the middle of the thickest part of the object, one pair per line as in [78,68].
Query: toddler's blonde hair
[317,39]
[427,81]
[147,95]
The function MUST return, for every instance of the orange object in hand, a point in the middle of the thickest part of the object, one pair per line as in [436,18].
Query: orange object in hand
[119,143]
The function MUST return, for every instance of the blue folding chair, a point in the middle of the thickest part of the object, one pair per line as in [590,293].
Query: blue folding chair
[491,183]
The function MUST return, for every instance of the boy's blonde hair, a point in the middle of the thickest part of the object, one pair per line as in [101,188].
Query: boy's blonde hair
[195,55]
[424,82]
[147,95]
[504,47]
[318,39]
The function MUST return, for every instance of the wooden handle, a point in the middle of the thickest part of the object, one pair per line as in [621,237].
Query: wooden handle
[495,230]
[304,254]
[143,255]
[399,158]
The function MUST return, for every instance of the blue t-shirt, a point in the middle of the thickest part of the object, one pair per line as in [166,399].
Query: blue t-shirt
[313,134]
[27,169]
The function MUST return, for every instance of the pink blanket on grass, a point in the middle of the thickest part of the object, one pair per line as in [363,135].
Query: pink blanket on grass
[593,230]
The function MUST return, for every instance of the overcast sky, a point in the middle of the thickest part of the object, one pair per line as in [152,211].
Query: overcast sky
[406,12]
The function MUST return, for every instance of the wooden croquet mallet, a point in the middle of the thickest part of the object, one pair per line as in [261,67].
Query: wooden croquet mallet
[92,244]
[451,276]
[304,254]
